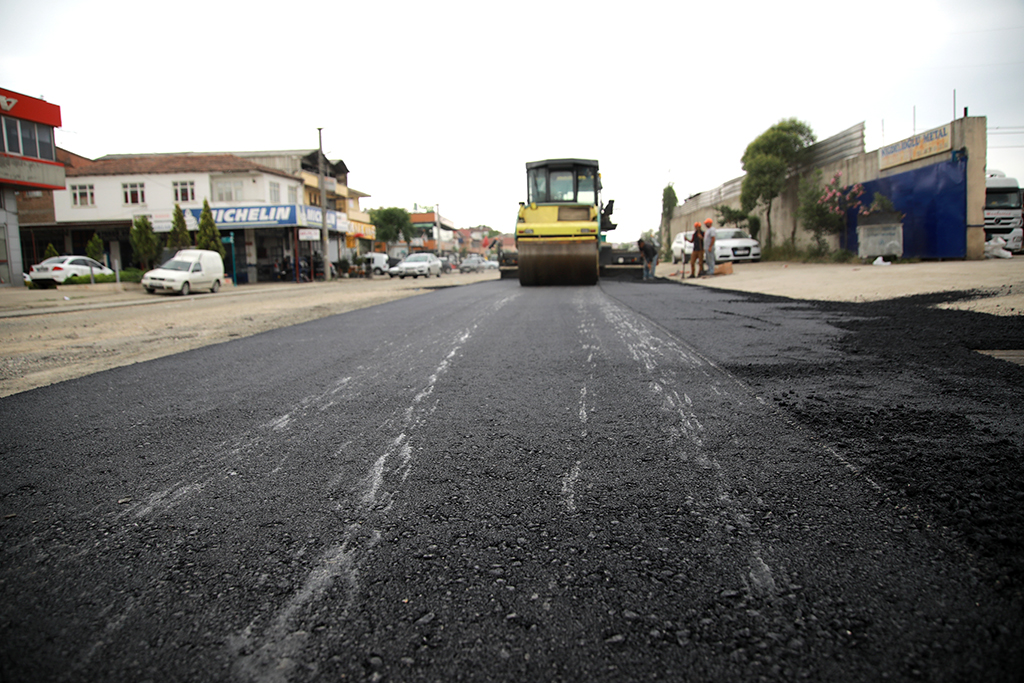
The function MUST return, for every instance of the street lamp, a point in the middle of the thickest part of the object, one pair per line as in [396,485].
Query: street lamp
[325,242]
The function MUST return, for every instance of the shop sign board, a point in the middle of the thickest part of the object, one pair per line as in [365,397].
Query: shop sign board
[929,143]
[249,216]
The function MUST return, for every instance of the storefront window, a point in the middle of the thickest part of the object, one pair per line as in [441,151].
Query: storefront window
[28,140]
[11,136]
[45,142]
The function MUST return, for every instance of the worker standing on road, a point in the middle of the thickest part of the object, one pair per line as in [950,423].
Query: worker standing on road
[709,243]
[697,255]
[650,258]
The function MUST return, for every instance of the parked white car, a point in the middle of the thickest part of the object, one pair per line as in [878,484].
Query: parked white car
[733,244]
[189,269]
[55,270]
[682,247]
[418,264]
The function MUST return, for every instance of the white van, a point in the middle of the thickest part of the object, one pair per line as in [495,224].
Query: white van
[189,269]
[378,262]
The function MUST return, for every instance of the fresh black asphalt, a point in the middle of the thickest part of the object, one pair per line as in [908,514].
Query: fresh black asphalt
[492,482]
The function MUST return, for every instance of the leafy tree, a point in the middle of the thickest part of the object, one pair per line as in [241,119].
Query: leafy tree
[739,218]
[145,243]
[814,214]
[94,248]
[669,202]
[179,238]
[754,225]
[50,252]
[393,224]
[209,236]
[767,162]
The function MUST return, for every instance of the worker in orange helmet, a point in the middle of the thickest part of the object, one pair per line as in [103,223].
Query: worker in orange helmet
[698,251]
[709,244]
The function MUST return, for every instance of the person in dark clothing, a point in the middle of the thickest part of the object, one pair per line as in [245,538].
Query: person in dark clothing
[650,258]
[697,257]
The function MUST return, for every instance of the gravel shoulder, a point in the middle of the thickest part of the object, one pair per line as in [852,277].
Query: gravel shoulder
[997,285]
[49,336]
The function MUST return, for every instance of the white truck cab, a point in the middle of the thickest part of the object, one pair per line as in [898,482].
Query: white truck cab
[1003,210]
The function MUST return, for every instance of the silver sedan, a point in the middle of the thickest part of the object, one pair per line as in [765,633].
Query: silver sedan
[418,264]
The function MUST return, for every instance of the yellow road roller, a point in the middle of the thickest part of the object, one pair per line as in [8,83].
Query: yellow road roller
[560,226]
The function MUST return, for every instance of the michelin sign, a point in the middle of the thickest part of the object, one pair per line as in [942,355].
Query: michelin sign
[250,216]
[272,216]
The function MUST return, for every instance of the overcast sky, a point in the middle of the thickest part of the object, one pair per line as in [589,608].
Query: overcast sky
[444,102]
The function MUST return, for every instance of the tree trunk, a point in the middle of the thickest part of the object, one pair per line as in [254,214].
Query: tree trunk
[768,220]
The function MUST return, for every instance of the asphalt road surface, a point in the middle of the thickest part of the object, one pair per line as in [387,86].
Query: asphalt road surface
[623,482]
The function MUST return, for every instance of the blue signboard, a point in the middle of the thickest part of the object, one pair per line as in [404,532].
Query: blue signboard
[265,216]
[251,216]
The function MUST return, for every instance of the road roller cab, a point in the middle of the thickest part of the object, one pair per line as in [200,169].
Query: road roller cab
[558,233]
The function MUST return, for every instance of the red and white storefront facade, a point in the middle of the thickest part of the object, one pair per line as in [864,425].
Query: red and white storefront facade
[28,163]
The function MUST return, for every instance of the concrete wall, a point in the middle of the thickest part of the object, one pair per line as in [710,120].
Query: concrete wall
[967,133]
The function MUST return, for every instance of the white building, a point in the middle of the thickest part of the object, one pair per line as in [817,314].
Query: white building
[260,208]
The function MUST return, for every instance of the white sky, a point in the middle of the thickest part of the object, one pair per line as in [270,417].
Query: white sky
[445,101]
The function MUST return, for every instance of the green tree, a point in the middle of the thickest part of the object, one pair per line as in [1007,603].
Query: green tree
[94,248]
[50,252]
[739,218]
[208,236]
[145,243]
[179,238]
[813,213]
[393,224]
[767,162]
[669,202]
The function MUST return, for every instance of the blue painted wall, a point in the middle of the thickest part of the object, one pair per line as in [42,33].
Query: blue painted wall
[934,201]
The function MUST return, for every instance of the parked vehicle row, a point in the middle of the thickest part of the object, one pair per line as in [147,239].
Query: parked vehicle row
[427,264]
[198,269]
[475,263]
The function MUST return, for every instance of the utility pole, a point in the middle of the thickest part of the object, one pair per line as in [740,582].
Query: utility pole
[325,241]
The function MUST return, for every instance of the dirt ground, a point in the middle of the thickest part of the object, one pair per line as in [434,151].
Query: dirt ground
[998,282]
[49,336]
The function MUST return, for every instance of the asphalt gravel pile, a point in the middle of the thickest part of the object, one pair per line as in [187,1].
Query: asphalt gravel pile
[925,414]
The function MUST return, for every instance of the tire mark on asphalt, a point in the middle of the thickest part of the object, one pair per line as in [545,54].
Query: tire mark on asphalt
[270,656]
[103,638]
[662,357]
